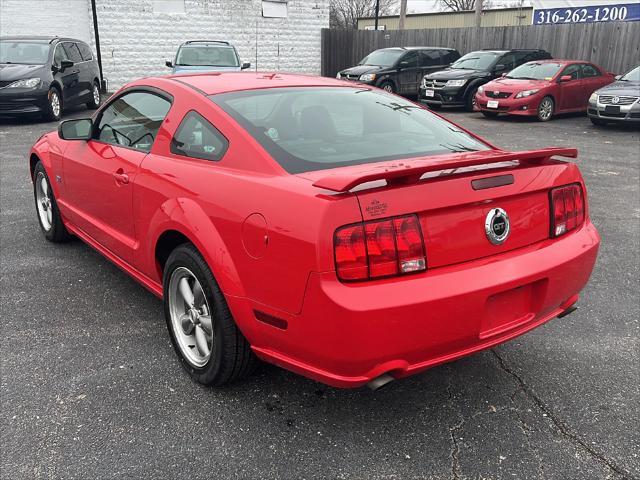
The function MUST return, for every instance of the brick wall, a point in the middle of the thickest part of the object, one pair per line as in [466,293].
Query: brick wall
[136,40]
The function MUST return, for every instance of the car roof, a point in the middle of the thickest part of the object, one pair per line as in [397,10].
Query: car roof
[211,83]
[558,60]
[415,48]
[40,39]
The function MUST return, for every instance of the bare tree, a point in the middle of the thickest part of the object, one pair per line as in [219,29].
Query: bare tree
[462,5]
[345,13]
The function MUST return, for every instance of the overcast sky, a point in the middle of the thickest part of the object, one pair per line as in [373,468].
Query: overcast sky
[417,6]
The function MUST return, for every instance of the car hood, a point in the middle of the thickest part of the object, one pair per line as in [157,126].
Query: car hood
[621,89]
[515,85]
[203,68]
[456,73]
[362,69]
[10,72]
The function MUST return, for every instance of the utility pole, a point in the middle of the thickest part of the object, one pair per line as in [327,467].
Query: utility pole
[377,13]
[403,14]
[478,14]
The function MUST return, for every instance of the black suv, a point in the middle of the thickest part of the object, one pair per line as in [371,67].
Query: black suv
[44,75]
[456,86]
[399,69]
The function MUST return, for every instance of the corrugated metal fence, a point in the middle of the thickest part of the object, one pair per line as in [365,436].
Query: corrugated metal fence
[615,46]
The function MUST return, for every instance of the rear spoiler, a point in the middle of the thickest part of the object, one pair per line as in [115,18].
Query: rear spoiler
[411,171]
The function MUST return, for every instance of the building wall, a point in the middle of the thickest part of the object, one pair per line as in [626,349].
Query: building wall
[137,36]
[490,18]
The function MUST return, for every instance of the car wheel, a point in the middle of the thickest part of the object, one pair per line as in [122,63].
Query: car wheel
[54,105]
[95,97]
[47,208]
[210,346]
[388,87]
[471,101]
[597,122]
[489,114]
[545,109]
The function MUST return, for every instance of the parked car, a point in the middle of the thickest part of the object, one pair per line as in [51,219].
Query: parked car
[456,86]
[45,75]
[286,217]
[542,89]
[617,102]
[399,69]
[206,56]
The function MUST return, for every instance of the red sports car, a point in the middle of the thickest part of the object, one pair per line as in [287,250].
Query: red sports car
[336,230]
[542,89]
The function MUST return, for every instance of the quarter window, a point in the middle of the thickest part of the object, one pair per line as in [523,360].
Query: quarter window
[133,120]
[72,52]
[197,138]
[59,55]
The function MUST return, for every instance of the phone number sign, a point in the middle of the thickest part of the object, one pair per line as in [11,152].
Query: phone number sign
[625,12]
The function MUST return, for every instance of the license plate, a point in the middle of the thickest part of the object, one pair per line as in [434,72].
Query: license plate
[492,104]
[429,93]
[612,109]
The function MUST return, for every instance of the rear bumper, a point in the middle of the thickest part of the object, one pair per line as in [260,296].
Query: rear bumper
[347,335]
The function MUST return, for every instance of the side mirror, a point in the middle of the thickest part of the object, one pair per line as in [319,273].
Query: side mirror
[618,77]
[168,63]
[501,67]
[79,129]
[565,78]
[64,64]
[245,65]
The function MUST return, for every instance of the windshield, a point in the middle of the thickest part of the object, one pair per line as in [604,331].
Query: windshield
[382,58]
[535,71]
[307,129]
[476,61]
[207,55]
[632,76]
[27,53]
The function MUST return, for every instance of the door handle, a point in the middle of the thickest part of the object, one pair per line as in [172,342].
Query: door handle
[121,177]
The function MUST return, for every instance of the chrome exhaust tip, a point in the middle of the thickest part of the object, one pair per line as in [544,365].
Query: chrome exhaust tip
[381,381]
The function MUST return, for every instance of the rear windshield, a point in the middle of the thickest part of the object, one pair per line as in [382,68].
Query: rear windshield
[477,61]
[311,128]
[207,55]
[382,58]
[27,53]
[536,71]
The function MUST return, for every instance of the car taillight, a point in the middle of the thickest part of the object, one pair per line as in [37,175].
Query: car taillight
[567,209]
[379,248]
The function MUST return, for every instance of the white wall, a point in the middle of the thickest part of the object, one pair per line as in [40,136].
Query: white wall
[135,40]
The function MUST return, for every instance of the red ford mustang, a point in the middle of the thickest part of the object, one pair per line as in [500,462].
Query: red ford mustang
[336,230]
[542,89]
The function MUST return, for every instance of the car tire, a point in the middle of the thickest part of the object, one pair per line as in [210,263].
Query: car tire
[53,111]
[546,109]
[471,100]
[388,87]
[49,216]
[204,334]
[597,122]
[489,114]
[95,97]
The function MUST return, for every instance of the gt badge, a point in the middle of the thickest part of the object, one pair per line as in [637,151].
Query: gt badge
[496,226]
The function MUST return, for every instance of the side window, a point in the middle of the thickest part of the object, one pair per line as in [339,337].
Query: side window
[589,71]
[508,61]
[72,52]
[450,57]
[85,51]
[133,120]
[197,138]
[573,70]
[409,60]
[430,58]
[522,57]
[59,55]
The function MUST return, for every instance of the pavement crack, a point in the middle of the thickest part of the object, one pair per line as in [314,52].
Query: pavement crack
[561,427]
[453,431]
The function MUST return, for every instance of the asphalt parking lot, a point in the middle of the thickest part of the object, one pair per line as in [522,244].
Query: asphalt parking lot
[91,388]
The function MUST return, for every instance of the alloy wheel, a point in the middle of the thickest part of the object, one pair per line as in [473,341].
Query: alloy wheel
[388,88]
[190,317]
[545,110]
[96,94]
[54,101]
[43,202]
